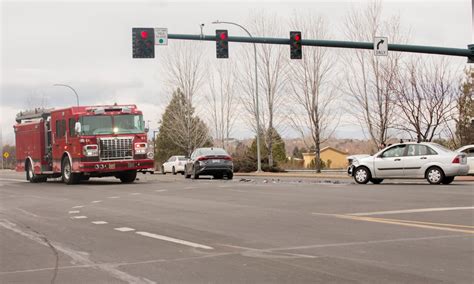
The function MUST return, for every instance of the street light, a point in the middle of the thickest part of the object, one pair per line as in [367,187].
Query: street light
[259,163]
[64,85]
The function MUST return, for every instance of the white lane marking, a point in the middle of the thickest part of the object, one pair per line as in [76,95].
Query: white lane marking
[124,229]
[173,240]
[78,257]
[161,190]
[74,212]
[135,193]
[96,201]
[114,197]
[99,222]
[79,217]
[12,179]
[78,206]
[411,211]
[27,213]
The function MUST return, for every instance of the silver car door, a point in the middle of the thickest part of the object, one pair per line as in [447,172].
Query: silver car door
[390,162]
[415,159]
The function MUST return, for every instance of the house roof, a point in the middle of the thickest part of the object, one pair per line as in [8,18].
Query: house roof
[334,149]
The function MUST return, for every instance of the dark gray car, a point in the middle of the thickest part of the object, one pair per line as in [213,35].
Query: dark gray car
[209,161]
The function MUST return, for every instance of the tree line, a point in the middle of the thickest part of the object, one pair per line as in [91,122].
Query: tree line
[416,96]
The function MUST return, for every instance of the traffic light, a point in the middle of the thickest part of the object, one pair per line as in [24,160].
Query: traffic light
[222,44]
[143,40]
[295,45]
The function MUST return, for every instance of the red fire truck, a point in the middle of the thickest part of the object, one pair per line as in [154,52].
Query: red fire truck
[77,143]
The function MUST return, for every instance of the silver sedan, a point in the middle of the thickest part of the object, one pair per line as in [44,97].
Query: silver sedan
[429,161]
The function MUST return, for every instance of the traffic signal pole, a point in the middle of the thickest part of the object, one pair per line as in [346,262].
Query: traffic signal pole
[468,52]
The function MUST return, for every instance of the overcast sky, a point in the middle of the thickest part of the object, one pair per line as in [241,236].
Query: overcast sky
[87,44]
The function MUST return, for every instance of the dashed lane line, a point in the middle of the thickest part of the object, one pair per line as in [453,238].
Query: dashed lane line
[79,217]
[161,190]
[124,229]
[96,201]
[99,222]
[113,197]
[74,212]
[78,206]
[135,193]
[173,240]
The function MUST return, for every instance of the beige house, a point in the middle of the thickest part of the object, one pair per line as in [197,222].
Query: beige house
[332,157]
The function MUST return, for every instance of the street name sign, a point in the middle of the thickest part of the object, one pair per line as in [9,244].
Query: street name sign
[161,36]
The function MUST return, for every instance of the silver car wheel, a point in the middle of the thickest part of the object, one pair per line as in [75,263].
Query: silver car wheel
[434,175]
[361,175]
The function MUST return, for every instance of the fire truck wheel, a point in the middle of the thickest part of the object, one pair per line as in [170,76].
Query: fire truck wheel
[67,175]
[128,176]
[31,176]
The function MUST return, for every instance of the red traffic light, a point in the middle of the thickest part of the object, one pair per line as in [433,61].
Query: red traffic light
[223,36]
[144,34]
[297,37]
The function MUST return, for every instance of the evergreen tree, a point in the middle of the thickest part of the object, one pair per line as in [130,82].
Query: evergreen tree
[180,132]
[465,106]
[278,146]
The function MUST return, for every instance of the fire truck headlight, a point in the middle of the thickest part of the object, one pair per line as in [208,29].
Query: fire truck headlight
[140,148]
[90,150]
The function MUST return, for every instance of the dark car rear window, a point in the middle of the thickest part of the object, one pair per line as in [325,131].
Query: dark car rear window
[213,151]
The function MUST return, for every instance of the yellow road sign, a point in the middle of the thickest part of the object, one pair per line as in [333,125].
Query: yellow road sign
[6,155]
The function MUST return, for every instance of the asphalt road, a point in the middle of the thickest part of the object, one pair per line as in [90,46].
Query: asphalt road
[165,229]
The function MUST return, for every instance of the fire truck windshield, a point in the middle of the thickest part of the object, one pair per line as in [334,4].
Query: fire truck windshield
[108,124]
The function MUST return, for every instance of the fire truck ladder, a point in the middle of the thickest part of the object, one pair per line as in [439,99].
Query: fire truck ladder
[33,114]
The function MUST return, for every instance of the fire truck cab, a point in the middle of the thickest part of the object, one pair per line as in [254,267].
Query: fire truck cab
[77,143]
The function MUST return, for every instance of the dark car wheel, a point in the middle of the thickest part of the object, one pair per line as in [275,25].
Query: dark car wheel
[230,175]
[434,175]
[447,180]
[362,175]
[173,171]
[194,174]
[163,170]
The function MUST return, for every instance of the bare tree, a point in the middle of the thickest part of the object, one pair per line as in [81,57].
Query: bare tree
[221,102]
[314,114]
[369,79]
[185,69]
[427,94]
[272,65]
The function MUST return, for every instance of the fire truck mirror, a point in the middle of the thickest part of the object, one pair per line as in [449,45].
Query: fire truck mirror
[77,128]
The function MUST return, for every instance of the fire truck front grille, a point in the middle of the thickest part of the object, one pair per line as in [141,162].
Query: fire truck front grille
[116,148]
